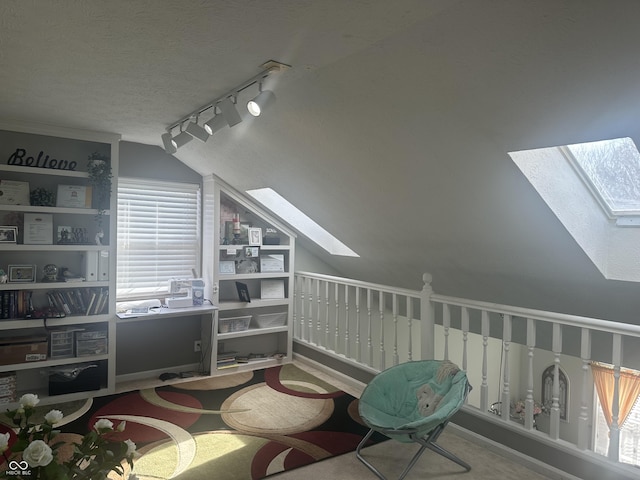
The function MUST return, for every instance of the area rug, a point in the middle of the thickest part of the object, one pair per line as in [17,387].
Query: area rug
[248,425]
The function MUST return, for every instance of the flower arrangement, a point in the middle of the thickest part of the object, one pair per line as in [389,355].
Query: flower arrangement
[519,409]
[36,455]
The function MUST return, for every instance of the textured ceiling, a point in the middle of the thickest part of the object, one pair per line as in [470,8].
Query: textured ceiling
[392,128]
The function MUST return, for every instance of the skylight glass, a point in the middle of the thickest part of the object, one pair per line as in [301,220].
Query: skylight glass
[300,221]
[613,169]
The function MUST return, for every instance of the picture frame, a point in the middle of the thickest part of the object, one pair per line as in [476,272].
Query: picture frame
[243,292]
[255,236]
[227,267]
[272,263]
[251,252]
[74,196]
[8,234]
[13,192]
[22,273]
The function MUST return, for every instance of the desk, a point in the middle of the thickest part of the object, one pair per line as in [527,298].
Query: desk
[149,344]
[167,313]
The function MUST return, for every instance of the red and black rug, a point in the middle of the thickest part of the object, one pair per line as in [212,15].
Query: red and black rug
[243,426]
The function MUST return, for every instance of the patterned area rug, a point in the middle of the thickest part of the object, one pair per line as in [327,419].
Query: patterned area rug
[243,426]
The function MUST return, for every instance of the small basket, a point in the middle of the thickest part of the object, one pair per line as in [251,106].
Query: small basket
[233,324]
[271,320]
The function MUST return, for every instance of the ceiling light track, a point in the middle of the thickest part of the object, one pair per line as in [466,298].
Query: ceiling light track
[223,110]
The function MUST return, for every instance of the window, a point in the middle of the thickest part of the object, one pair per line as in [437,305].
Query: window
[300,221]
[629,435]
[611,169]
[158,236]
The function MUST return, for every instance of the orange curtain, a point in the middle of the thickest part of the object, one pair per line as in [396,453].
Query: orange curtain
[628,388]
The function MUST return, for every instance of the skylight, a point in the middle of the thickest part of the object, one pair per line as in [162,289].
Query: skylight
[301,222]
[612,169]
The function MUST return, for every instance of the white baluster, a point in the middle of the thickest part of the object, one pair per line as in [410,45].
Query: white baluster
[336,330]
[583,419]
[326,314]
[369,333]
[410,325]
[465,336]
[446,325]
[381,311]
[484,386]
[614,429]
[294,315]
[556,347]
[506,342]
[318,330]
[394,303]
[358,346]
[529,401]
[347,339]
[310,311]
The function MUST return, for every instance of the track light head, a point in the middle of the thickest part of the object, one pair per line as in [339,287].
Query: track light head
[181,139]
[230,112]
[215,124]
[169,147]
[196,131]
[259,103]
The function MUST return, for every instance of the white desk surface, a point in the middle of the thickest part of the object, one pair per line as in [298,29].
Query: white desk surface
[168,312]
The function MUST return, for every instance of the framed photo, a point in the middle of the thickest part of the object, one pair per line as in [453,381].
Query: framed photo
[14,193]
[22,273]
[272,262]
[251,252]
[227,267]
[255,236]
[243,292]
[8,234]
[73,196]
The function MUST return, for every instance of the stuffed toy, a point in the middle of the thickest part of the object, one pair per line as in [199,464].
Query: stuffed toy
[428,400]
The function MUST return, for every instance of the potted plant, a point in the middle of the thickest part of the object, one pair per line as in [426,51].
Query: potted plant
[99,170]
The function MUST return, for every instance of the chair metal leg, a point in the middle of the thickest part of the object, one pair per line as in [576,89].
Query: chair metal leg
[424,444]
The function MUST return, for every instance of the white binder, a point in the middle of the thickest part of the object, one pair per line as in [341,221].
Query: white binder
[91,266]
[103,265]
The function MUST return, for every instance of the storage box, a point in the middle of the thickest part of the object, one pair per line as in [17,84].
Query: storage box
[78,377]
[22,347]
[271,319]
[92,342]
[61,343]
[233,324]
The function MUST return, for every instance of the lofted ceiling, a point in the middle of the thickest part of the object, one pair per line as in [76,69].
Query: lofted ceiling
[392,128]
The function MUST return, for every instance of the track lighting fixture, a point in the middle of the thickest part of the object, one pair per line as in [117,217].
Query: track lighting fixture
[257,104]
[230,112]
[167,142]
[216,123]
[224,111]
[181,139]
[196,131]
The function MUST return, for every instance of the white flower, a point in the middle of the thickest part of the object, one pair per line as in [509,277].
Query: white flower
[4,442]
[131,448]
[38,454]
[53,417]
[103,424]
[121,426]
[29,400]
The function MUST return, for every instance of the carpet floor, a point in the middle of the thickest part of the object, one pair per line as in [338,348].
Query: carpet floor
[242,426]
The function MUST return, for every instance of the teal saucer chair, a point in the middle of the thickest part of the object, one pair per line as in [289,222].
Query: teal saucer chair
[412,403]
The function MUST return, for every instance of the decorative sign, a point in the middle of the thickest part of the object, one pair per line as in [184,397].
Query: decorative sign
[20,158]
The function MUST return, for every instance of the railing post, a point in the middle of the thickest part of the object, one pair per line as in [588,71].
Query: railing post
[583,420]
[614,429]
[427,314]
[556,347]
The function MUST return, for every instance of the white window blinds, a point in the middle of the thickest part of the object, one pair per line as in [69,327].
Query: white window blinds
[158,236]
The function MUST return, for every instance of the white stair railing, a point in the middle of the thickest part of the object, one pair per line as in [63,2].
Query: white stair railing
[504,348]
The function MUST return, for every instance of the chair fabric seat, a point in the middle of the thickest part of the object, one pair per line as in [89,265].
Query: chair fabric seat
[390,402]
